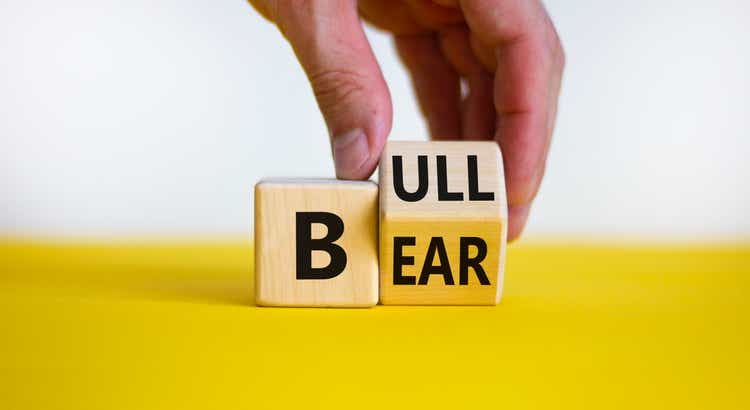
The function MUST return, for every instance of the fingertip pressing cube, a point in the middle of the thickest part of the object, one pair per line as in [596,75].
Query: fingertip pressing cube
[443,223]
[316,243]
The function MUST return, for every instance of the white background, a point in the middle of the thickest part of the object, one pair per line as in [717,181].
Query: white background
[157,117]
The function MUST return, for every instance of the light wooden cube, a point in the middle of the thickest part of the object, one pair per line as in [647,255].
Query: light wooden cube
[316,243]
[442,239]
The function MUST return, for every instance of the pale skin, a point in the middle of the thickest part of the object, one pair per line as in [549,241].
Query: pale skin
[506,53]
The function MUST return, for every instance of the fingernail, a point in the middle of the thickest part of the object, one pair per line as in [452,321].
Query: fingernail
[350,151]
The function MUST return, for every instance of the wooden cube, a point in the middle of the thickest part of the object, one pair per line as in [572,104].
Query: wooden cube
[316,243]
[443,223]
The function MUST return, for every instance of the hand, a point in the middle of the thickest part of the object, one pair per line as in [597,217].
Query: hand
[506,53]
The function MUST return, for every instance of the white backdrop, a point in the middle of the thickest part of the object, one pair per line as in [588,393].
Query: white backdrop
[140,117]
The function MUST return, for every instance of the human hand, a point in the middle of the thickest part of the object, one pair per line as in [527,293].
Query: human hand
[505,52]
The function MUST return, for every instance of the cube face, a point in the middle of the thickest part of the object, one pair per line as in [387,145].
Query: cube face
[442,233]
[411,275]
[302,227]
[457,156]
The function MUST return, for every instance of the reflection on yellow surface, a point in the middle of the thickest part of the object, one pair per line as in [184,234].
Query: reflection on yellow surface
[173,325]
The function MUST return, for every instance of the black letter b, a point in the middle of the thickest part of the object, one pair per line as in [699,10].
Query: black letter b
[305,245]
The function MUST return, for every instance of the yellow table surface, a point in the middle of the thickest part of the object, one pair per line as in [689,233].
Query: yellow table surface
[173,325]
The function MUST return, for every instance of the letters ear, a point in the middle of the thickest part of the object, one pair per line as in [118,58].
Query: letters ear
[305,244]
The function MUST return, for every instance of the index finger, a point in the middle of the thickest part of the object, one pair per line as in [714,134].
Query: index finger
[529,67]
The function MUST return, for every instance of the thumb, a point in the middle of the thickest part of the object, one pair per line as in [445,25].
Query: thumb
[329,42]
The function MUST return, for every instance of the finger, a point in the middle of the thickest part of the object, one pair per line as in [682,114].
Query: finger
[484,52]
[394,16]
[478,113]
[517,216]
[529,59]
[479,116]
[436,84]
[432,15]
[329,42]
[447,3]
[262,7]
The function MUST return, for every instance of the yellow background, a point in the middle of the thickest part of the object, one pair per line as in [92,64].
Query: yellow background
[172,325]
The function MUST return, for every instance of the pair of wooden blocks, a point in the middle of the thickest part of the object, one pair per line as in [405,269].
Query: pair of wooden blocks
[441,232]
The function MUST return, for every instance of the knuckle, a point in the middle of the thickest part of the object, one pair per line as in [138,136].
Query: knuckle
[289,13]
[555,48]
[558,53]
[336,87]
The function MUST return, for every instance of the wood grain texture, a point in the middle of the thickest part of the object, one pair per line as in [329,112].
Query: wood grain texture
[449,220]
[276,204]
